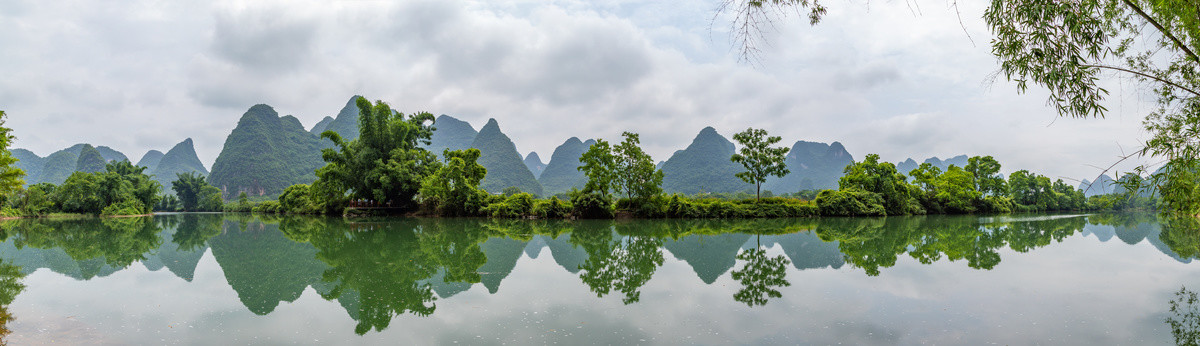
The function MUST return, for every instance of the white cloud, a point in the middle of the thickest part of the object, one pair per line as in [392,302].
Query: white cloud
[146,75]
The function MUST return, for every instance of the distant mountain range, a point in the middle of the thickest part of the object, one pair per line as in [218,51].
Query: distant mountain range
[267,152]
[910,164]
[1102,186]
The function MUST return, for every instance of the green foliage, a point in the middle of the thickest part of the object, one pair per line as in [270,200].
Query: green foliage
[882,178]
[552,208]
[623,168]
[297,199]
[180,159]
[956,191]
[598,164]
[243,204]
[850,202]
[986,177]
[453,190]
[1185,317]
[515,206]
[11,177]
[384,163]
[124,207]
[591,205]
[759,158]
[92,193]
[191,189]
[267,207]
[759,277]
[36,200]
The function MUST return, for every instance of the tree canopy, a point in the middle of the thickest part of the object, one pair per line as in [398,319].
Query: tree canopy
[759,158]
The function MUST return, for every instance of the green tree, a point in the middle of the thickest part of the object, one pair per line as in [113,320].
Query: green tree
[882,178]
[11,177]
[635,172]
[986,175]
[759,158]
[453,190]
[188,186]
[623,168]
[955,191]
[597,164]
[386,163]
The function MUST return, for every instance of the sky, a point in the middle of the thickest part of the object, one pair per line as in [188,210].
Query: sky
[900,79]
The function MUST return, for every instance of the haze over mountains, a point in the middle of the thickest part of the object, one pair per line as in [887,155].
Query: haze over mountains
[267,152]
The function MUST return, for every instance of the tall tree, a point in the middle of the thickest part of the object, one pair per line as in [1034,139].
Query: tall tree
[637,177]
[11,177]
[623,168]
[597,164]
[454,189]
[384,163]
[188,187]
[759,158]
[986,173]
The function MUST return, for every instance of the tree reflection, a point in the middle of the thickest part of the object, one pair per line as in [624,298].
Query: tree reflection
[10,286]
[760,276]
[1182,235]
[119,241]
[615,264]
[1185,318]
[194,230]
[874,243]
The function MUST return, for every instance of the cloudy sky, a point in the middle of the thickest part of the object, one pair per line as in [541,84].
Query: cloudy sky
[894,78]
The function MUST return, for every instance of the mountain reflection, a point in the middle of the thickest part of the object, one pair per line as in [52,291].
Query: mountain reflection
[379,269]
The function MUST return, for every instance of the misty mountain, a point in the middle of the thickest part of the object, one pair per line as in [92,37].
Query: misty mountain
[346,121]
[704,166]
[1102,186]
[562,173]
[451,134]
[150,159]
[535,165]
[320,126]
[910,164]
[504,166]
[89,160]
[266,153]
[813,166]
[180,159]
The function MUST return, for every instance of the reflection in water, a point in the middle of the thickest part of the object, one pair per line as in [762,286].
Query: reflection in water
[10,286]
[760,276]
[378,269]
[1185,318]
[613,263]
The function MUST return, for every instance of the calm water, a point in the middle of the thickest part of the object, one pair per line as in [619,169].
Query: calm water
[213,279]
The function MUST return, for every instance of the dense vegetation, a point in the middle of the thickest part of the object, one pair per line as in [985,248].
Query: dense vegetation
[121,189]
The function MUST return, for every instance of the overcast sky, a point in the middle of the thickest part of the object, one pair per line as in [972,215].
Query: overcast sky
[887,78]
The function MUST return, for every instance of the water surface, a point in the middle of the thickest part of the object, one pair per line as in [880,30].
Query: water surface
[220,279]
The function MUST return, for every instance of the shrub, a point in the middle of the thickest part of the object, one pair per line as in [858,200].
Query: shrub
[125,207]
[552,208]
[266,207]
[850,202]
[515,206]
[591,205]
